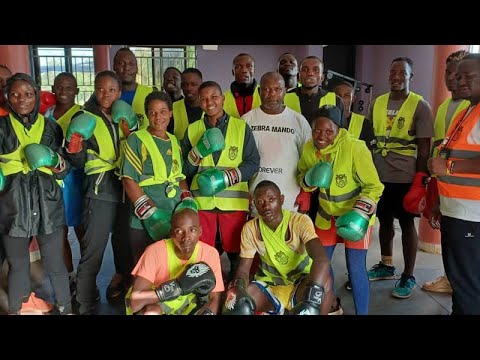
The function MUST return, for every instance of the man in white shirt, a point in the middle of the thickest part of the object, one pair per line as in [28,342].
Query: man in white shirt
[280,134]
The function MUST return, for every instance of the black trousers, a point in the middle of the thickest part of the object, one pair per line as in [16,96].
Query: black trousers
[18,257]
[461,258]
[122,251]
[98,220]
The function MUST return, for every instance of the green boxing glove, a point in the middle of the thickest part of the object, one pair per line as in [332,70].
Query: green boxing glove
[320,175]
[123,114]
[212,140]
[212,181]
[3,180]
[38,155]
[81,128]
[156,221]
[354,224]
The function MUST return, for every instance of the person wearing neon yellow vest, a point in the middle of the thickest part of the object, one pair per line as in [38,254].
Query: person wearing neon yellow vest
[181,268]
[446,112]
[243,93]
[65,90]
[31,203]
[172,83]
[187,110]
[356,124]
[93,144]
[294,273]
[133,93]
[152,175]
[221,156]
[348,196]
[403,126]
[288,68]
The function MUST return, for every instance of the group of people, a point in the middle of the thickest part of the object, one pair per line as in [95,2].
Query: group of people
[273,178]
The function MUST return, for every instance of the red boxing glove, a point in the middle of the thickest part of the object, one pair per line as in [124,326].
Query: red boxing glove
[303,201]
[47,100]
[431,197]
[415,199]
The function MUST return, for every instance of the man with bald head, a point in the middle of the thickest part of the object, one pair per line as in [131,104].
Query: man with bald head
[243,94]
[280,134]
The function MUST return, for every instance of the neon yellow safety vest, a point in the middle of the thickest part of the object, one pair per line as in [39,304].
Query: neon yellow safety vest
[293,101]
[281,265]
[356,125]
[230,106]
[15,162]
[398,141]
[344,189]
[106,159]
[138,104]
[442,124]
[65,119]
[184,304]
[159,167]
[180,119]
[234,197]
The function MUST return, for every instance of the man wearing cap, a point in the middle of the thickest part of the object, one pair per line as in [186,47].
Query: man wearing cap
[173,275]
[341,167]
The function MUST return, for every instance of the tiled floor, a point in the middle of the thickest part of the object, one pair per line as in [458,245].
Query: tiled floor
[428,267]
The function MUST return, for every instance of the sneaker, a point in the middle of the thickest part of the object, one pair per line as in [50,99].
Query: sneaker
[381,271]
[116,287]
[404,287]
[441,285]
[348,285]
[336,309]
[35,306]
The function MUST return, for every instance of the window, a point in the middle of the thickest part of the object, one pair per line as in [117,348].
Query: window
[153,60]
[49,61]
[474,48]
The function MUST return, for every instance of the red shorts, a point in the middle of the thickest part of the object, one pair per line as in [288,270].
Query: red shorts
[329,238]
[230,224]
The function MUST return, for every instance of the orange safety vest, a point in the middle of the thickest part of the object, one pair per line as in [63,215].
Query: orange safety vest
[455,145]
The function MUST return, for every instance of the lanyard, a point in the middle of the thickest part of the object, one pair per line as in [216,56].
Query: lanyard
[458,129]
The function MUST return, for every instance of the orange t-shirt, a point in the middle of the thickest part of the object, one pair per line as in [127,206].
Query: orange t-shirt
[153,265]
[3,112]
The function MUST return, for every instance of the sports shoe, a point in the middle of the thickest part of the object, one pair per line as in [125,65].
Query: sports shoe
[336,309]
[35,306]
[441,285]
[348,285]
[116,287]
[381,271]
[404,287]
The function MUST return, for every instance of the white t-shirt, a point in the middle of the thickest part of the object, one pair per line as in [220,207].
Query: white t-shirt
[280,139]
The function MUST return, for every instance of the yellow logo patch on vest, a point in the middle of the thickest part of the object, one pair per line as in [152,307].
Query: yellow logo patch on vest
[341,180]
[281,258]
[233,152]
[169,152]
[401,123]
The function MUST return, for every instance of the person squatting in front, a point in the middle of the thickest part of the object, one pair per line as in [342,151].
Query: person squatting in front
[294,272]
[31,200]
[177,276]
[347,205]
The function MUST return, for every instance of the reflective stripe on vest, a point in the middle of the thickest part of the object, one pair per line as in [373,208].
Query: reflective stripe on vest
[106,159]
[356,125]
[159,167]
[15,162]
[293,101]
[461,186]
[344,190]
[180,119]
[281,265]
[398,141]
[65,119]
[138,104]
[234,197]
[442,124]
[230,106]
